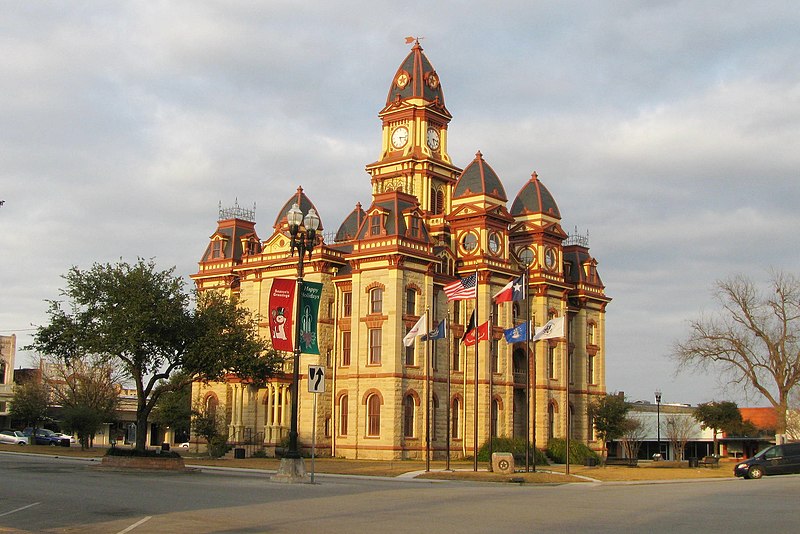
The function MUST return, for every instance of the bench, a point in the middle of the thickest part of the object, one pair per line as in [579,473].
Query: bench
[709,461]
[630,462]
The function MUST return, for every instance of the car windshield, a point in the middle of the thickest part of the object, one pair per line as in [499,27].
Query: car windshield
[761,453]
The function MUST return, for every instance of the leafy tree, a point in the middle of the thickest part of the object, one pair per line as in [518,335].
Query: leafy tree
[754,338]
[174,406]
[139,320]
[87,391]
[609,414]
[633,432]
[30,404]
[207,424]
[719,416]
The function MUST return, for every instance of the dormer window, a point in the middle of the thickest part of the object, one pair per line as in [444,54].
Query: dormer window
[414,226]
[375,225]
[216,249]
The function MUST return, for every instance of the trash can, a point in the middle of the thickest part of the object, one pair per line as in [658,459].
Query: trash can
[165,446]
[65,442]
[657,457]
[694,462]
[238,453]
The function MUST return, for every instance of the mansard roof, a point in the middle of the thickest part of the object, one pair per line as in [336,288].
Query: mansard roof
[478,178]
[303,202]
[349,228]
[416,78]
[393,205]
[534,198]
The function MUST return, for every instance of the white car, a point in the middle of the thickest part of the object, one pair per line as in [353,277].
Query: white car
[61,435]
[13,437]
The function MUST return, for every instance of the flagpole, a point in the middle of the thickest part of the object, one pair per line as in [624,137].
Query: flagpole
[490,340]
[566,380]
[475,388]
[447,414]
[532,379]
[527,373]
[427,393]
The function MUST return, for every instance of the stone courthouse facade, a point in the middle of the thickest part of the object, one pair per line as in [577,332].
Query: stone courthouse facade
[428,222]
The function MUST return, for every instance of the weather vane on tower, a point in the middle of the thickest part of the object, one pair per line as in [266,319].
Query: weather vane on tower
[414,40]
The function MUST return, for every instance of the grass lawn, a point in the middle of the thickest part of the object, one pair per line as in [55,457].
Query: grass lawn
[462,470]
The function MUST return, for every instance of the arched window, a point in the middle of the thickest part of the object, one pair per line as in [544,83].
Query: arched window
[343,411]
[374,415]
[376,300]
[211,405]
[439,202]
[408,416]
[455,417]
[2,372]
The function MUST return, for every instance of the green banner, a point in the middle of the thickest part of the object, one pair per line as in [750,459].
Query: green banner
[309,312]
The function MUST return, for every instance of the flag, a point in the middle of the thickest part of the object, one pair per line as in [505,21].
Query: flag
[309,314]
[470,326]
[438,332]
[463,288]
[516,334]
[281,313]
[419,329]
[482,333]
[511,291]
[553,328]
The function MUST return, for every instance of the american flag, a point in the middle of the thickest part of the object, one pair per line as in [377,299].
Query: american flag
[463,288]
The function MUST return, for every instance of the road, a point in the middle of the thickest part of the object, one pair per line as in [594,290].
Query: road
[45,494]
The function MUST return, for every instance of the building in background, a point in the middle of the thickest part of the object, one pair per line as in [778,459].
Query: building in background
[427,223]
[8,351]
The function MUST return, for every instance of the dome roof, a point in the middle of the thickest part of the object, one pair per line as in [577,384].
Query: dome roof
[303,202]
[534,198]
[349,227]
[416,78]
[478,178]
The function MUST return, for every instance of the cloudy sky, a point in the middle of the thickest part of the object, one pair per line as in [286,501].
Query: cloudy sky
[667,130]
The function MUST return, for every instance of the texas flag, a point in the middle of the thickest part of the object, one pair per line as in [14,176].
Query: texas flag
[511,291]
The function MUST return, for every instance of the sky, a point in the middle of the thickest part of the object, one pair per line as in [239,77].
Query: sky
[668,131]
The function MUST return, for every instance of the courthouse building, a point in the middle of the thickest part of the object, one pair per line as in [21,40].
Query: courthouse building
[427,223]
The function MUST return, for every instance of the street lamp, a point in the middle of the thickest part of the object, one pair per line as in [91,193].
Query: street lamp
[303,240]
[658,420]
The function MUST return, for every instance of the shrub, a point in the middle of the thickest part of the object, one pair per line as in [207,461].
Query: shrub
[515,446]
[147,453]
[218,446]
[578,451]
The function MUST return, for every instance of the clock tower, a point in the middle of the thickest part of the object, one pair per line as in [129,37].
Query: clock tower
[414,156]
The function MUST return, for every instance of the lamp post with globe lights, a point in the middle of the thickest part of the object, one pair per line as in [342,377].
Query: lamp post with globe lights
[658,421]
[304,236]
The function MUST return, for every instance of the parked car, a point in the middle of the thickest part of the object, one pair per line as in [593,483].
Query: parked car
[61,435]
[776,460]
[43,436]
[13,437]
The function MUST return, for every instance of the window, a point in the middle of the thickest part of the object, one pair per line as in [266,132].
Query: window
[439,201]
[495,356]
[573,432]
[408,416]
[345,348]
[457,312]
[216,249]
[211,405]
[343,415]
[374,415]
[551,362]
[571,367]
[347,304]
[410,356]
[590,369]
[376,300]
[551,420]
[328,426]
[454,417]
[411,302]
[515,311]
[469,242]
[590,334]
[2,372]
[456,357]
[375,346]
[414,226]
[375,225]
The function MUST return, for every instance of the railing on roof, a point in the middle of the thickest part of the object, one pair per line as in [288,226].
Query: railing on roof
[237,213]
[577,238]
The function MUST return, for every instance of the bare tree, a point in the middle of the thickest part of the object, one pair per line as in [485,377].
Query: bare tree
[633,433]
[679,430]
[754,338]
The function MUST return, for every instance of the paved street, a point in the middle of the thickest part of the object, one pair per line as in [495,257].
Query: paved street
[44,494]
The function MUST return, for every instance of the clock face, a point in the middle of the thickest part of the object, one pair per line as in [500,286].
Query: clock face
[400,137]
[550,258]
[433,138]
[494,243]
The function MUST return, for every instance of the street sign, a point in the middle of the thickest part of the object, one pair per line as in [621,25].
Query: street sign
[316,379]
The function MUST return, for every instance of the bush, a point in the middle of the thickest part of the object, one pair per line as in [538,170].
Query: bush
[218,446]
[515,446]
[578,451]
[158,453]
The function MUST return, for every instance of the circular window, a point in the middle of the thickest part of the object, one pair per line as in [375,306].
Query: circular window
[527,256]
[469,242]
[494,243]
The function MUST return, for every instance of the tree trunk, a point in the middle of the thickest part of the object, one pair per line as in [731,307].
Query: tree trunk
[141,425]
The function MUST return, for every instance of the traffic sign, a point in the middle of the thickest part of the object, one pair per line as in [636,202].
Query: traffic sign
[316,379]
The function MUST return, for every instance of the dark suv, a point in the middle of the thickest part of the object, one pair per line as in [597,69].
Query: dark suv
[776,460]
[43,436]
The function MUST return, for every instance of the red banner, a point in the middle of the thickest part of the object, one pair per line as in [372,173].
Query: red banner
[281,303]
[483,334]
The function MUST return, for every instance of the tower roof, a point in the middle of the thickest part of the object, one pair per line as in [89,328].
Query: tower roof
[416,78]
[349,228]
[303,202]
[534,198]
[478,178]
